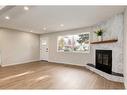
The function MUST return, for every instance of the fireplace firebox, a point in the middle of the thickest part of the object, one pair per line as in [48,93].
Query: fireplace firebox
[104,60]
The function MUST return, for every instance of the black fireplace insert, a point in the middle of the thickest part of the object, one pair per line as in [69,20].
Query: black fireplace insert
[104,60]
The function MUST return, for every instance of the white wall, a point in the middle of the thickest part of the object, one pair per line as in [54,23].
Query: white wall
[125,48]
[69,58]
[18,47]
[113,28]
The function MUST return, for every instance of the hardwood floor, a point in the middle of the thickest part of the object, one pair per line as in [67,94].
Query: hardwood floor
[45,75]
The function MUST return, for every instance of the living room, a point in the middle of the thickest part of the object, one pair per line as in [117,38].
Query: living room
[63,47]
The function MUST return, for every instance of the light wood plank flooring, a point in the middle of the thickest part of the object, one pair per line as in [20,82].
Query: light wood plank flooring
[45,75]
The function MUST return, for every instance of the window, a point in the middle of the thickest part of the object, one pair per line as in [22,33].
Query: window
[74,43]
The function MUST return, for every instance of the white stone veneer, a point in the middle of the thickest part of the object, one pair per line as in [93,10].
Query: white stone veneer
[113,28]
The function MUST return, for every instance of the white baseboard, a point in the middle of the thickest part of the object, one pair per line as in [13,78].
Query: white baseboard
[69,63]
[10,64]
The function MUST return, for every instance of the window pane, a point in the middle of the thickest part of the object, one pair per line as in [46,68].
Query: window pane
[65,43]
[74,43]
[81,42]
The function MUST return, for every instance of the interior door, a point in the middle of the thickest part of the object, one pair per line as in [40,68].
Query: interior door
[44,50]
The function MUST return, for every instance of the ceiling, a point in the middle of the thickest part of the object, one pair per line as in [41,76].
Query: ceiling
[46,19]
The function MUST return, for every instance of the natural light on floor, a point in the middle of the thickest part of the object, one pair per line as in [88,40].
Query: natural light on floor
[18,75]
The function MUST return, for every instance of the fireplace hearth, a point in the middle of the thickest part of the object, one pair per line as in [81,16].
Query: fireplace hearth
[104,60]
[103,66]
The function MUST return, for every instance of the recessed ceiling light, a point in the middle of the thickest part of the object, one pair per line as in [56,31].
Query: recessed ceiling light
[44,28]
[7,17]
[31,31]
[61,25]
[26,8]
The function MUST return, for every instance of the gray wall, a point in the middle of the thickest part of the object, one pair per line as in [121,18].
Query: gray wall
[18,47]
[113,29]
[125,48]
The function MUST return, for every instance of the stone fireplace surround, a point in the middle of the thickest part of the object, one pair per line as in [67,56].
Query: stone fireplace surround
[114,76]
[117,63]
[113,29]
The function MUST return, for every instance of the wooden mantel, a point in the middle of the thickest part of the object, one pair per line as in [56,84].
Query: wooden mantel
[105,41]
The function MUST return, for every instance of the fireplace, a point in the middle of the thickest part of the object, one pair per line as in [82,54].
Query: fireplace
[104,60]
